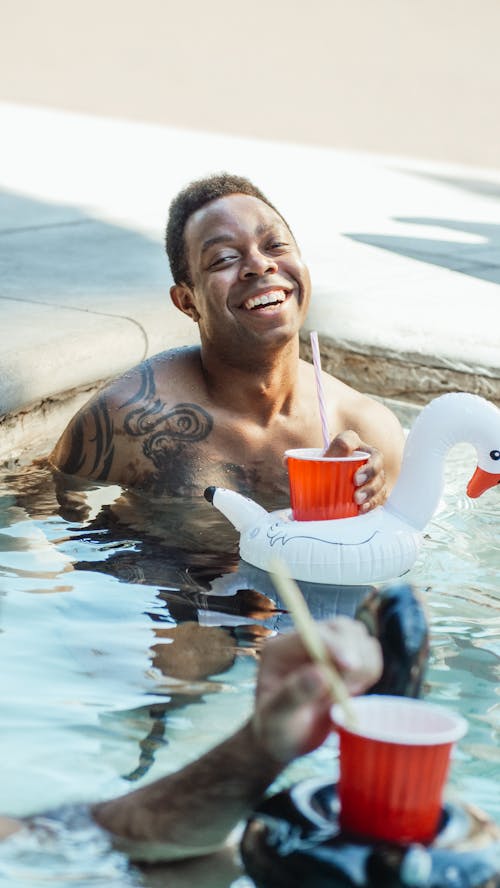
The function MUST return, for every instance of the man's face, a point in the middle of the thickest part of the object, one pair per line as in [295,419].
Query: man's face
[250,284]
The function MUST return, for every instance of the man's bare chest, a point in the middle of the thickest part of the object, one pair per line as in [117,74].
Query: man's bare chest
[182,449]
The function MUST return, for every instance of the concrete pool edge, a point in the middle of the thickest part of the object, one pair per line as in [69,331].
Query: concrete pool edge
[33,429]
[400,376]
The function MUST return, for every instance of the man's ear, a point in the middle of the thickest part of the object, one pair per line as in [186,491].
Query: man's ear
[182,297]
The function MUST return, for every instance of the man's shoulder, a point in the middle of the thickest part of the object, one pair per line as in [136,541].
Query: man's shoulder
[360,411]
[106,433]
[364,408]
[145,380]
[181,356]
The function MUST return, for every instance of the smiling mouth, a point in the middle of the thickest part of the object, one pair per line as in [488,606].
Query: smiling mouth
[263,300]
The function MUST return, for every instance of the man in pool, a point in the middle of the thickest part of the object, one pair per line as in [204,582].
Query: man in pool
[224,413]
[191,812]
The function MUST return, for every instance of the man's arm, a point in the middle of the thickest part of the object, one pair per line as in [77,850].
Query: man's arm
[192,811]
[134,434]
[98,443]
[380,427]
[87,446]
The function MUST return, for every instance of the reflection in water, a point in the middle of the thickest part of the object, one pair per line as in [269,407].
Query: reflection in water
[148,656]
[194,652]
[209,611]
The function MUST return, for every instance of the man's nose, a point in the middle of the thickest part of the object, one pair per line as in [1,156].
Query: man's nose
[257,263]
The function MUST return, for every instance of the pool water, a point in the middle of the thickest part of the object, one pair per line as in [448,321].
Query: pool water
[130,631]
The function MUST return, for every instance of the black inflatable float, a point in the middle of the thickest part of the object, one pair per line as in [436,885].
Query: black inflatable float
[294,841]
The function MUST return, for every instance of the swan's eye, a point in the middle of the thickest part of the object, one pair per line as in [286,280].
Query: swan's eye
[495,454]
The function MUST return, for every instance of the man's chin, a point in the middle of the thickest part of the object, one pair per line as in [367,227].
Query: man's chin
[248,344]
[268,330]
[270,341]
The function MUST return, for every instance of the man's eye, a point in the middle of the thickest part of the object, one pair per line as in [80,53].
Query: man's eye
[221,260]
[277,244]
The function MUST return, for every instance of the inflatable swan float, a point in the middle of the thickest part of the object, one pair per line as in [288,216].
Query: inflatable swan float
[383,543]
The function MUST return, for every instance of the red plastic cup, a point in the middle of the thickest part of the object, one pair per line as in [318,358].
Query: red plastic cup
[393,767]
[321,487]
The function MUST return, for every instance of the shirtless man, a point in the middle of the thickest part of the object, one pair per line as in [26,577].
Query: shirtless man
[224,413]
[192,811]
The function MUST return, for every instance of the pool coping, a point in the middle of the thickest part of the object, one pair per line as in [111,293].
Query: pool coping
[403,256]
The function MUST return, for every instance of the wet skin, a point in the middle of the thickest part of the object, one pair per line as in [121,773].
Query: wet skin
[224,413]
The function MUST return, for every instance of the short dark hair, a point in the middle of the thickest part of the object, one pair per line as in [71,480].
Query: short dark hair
[191,199]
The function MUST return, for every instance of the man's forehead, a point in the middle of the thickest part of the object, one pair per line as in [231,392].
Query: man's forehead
[231,213]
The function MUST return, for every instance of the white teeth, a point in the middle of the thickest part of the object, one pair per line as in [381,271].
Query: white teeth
[265,299]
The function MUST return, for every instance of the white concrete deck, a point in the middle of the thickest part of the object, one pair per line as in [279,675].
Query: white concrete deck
[404,256]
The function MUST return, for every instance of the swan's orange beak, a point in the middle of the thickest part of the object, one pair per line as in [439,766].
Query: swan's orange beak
[480,482]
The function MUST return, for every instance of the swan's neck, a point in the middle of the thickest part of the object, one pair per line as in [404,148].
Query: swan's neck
[448,420]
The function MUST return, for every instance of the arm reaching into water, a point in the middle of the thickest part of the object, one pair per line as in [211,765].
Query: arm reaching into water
[192,812]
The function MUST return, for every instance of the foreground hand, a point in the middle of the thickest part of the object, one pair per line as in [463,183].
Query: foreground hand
[293,699]
[370,478]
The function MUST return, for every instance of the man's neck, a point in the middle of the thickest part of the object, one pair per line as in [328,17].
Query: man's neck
[261,386]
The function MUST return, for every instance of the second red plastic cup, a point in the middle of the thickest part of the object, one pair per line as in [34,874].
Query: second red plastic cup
[393,767]
[322,488]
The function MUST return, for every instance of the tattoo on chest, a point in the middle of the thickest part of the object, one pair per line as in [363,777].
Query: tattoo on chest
[167,434]
[187,423]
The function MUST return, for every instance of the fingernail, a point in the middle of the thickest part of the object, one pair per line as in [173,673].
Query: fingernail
[360,496]
[361,478]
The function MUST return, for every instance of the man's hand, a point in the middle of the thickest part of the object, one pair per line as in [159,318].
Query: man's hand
[370,478]
[293,699]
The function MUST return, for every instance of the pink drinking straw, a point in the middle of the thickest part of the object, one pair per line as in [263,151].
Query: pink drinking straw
[319,387]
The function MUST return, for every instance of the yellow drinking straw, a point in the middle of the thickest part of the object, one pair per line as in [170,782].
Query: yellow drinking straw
[308,631]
